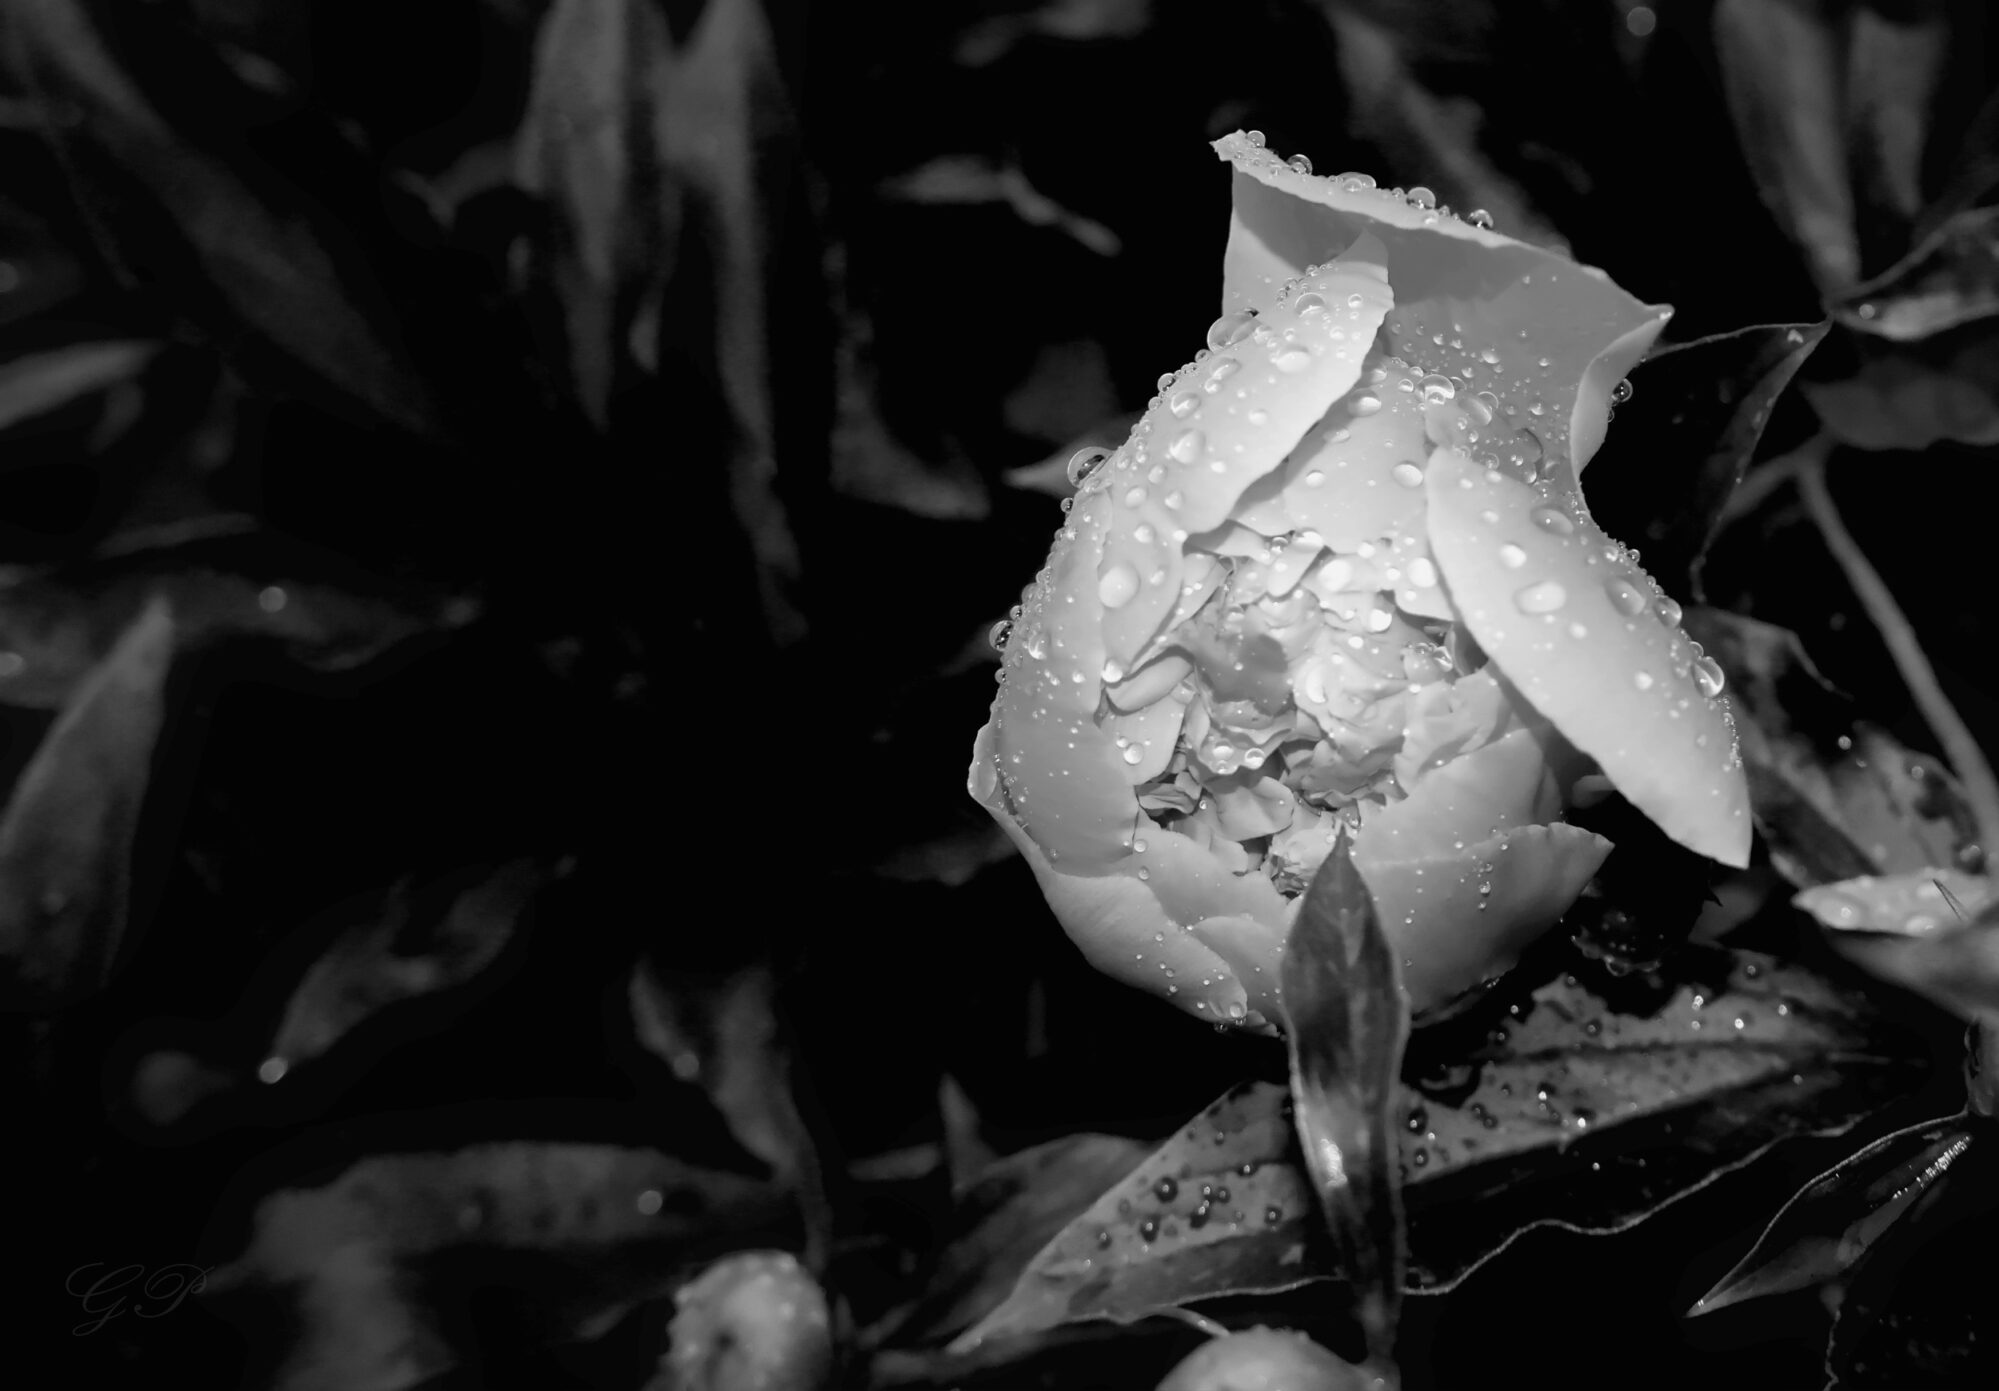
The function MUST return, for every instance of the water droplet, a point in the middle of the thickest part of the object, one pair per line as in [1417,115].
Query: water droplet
[1437,387]
[1314,478]
[1117,585]
[1184,404]
[1165,1190]
[1231,329]
[1311,302]
[1669,610]
[1511,556]
[1422,574]
[1379,620]
[1272,1215]
[1553,519]
[1144,535]
[1364,405]
[1085,462]
[998,636]
[1421,197]
[1148,1229]
[1709,677]
[1254,137]
[1545,597]
[1407,474]
[1299,164]
[1621,393]
[1355,183]
[1291,357]
[1187,446]
[1134,754]
[1172,500]
[1223,369]
[1480,218]
[1643,680]
[1624,597]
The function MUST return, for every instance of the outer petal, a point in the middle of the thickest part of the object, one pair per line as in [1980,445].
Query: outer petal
[1593,645]
[1142,931]
[1057,771]
[1530,324]
[1500,787]
[1458,920]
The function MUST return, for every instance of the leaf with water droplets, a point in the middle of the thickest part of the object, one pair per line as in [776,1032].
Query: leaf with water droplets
[1221,1208]
[1833,799]
[1953,964]
[1008,1213]
[1951,279]
[1593,1107]
[1684,440]
[66,836]
[1829,1224]
[1347,1021]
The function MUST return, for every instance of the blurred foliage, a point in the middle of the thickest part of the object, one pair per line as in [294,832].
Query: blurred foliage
[499,514]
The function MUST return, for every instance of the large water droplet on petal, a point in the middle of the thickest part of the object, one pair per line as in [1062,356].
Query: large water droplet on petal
[1480,218]
[1311,302]
[1511,556]
[1421,197]
[1554,519]
[1437,387]
[1085,462]
[1299,164]
[1422,574]
[1291,357]
[1624,597]
[1407,474]
[1223,369]
[1545,597]
[1184,404]
[1364,405]
[1117,585]
[1231,329]
[1354,183]
[1002,630]
[1643,679]
[1134,754]
[1621,393]
[1709,677]
[1187,446]
[1669,610]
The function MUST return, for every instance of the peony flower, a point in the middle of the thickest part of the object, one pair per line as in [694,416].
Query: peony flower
[1342,573]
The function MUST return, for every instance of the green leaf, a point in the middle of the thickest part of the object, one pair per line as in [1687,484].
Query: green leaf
[1681,444]
[1221,1208]
[1649,1098]
[1833,799]
[1828,1225]
[38,383]
[1951,278]
[382,961]
[581,1231]
[1781,69]
[1347,1021]
[160,200]
[1016,1207]
[66,836]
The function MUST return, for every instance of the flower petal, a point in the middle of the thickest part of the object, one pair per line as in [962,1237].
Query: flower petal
[1499,787]
[1455,921]
[1056,769]
[1534,326]
[1569,619]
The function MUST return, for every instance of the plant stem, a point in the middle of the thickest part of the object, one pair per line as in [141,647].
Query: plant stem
[1981,790]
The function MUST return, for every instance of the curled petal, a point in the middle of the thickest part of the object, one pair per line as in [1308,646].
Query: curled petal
[1518,318]
[1342,480]
[1456,920]
[1568,618]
